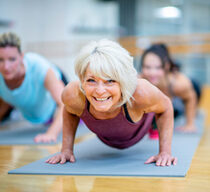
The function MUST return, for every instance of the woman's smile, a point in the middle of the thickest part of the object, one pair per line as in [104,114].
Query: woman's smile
[102,99]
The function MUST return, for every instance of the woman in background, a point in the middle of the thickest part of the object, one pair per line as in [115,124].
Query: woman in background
[31,84]
[158,68]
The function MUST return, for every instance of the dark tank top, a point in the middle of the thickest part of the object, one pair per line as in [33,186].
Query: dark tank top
[118,132]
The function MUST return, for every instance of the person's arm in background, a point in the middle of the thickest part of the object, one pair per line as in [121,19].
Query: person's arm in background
[4,108]
[55,87]
[184,89]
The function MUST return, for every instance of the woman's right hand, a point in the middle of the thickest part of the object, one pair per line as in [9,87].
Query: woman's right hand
[62,158]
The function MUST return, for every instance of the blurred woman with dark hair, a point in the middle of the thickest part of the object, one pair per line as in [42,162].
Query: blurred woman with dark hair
[158,68]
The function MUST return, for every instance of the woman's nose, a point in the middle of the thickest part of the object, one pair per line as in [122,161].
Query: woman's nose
[152,71]
[100,89]
[6,65]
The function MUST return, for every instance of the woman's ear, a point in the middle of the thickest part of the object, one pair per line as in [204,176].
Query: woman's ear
[81,88]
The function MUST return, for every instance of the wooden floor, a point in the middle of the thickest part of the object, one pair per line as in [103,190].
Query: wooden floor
[197,179]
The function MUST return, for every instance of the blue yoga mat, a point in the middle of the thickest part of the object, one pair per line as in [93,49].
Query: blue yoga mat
[199,123]
[23,133]
[95,158]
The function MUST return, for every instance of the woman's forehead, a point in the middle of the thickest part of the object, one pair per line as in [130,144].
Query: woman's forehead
[97,74]
[152,59]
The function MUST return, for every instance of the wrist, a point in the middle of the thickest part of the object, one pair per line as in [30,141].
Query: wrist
[63,150]
[165,152]
[52,131]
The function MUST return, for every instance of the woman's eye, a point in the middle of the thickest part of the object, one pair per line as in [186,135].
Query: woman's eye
[12,59]
[90,80]
[110,81]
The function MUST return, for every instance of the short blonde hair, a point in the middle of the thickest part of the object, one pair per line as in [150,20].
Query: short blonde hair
[108,60]
[10,40]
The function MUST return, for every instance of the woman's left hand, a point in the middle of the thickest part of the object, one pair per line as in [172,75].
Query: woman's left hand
[162,159]
[45,138]
[188,128]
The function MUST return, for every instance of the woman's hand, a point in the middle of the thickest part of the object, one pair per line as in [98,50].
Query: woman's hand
[45,138]
[188,128]
[62,158]
[162,159]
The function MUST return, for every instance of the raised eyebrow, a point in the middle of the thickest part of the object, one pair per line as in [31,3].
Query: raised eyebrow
[90,78]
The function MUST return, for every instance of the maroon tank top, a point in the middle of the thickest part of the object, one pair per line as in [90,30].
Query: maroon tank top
[118,132]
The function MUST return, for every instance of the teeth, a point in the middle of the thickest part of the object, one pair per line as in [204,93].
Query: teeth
[101,99]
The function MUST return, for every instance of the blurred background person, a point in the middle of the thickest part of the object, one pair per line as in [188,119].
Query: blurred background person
[30,83]
[158,67]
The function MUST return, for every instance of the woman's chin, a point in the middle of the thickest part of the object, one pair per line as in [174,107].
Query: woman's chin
[8,77]
[102,109]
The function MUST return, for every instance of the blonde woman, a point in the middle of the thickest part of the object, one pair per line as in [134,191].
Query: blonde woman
[114,104]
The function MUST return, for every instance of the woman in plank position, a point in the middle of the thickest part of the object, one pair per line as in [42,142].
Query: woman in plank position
[114,104]
[159,69]
[31,84]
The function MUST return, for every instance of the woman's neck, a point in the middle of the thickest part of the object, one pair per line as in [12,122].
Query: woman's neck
[104,115]
[17,80]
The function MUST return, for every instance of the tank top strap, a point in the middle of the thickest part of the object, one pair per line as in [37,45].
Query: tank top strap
[128,117]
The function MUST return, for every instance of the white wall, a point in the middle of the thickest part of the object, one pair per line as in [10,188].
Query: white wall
[195,17]
[49,26]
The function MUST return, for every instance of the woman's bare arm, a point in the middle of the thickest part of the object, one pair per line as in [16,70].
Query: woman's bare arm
[4,107]
[71,113]
[55,86]
[183,88]
[153,100]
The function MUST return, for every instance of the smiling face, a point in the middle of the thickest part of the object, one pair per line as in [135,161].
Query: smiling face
[152,69]
[103,95]
[10,62]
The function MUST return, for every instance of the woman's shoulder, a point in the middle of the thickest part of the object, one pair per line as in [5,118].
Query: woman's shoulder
[144,91]
[140,76]
[73,98]
[180,82]
[143,85]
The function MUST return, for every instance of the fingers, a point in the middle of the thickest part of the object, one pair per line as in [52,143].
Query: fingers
[187,129]
[168,163]
[37,139]
[54,160]
[61,158]
[44,138]
[72,159]
[150,160]
[162,160]
[175,161]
